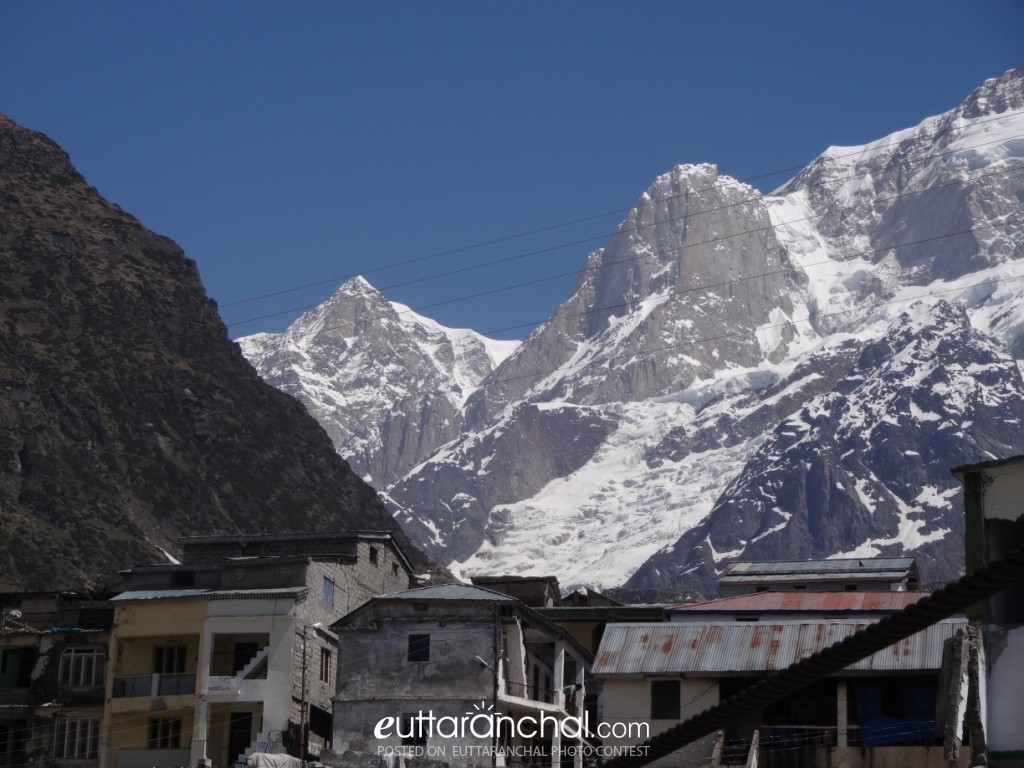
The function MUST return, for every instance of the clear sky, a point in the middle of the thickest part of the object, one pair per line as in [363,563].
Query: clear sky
[289,143]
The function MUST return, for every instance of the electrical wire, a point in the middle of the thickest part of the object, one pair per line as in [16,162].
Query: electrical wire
[953,598]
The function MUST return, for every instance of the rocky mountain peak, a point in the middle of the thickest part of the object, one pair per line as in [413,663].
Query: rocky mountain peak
[129,419]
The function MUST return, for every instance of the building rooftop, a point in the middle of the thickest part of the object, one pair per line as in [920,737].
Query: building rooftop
[821,602]
[449,592]
[741,648]
[964,469]
[840,566]
[153,595]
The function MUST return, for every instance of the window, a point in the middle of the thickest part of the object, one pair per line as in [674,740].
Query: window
[374,556]
[394,569]
[413,731]
[183,579]
[164,733]
[328,590]
[850,587]
[762,589]
[325,665]
[81,667]
[75,738]
[419,648]
[169,659]
[664,699]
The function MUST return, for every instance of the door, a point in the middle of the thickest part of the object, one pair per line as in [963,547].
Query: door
[239,735]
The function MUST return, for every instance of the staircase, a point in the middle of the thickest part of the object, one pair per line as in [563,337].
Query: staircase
[266,741]
[254,663]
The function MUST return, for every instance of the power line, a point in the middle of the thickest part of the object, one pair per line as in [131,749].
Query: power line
[662,252]
[604,214]
[684,216]
[754,198]
[953,598]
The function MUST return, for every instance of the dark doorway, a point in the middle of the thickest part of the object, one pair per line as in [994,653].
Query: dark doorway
[239,734]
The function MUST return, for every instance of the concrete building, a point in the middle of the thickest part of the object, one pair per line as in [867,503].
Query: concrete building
[994,522]
[53,656]
[229,652]
[449,652]
[835,575]
[880,711]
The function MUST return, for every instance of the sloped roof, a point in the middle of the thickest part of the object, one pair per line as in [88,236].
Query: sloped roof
[840,566]
[153,595]
[827,602]
[754,648]
[449,592]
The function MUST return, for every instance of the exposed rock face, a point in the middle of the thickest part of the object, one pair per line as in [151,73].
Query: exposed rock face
[128,417]
[675,296]
[447,502]
[387,384]
[863,469]
[729,360]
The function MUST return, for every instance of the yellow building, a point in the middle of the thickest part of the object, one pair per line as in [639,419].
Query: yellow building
[230,653]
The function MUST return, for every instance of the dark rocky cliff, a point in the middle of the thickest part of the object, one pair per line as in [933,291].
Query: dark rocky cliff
[127,416]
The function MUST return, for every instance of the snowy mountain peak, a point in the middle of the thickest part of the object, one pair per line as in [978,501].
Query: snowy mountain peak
[356,286]
[732,374]
[385,382]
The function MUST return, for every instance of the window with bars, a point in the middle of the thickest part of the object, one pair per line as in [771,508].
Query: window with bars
[164,733]
[419,648]
[75,738]
[325,665]
[81,667]
[665,699]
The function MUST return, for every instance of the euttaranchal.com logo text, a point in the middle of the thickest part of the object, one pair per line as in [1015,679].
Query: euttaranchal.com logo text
[416,730]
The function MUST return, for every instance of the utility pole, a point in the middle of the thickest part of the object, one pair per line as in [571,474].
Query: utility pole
[302,705]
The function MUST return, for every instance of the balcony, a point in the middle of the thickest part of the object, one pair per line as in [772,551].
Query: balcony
[531,692]
[152,758]
[130,686]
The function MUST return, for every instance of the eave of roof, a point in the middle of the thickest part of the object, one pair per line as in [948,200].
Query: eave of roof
[846,602]
[154,595]
[738,648]
[965,469]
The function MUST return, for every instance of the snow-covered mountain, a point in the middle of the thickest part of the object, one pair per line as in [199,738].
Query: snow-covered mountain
[733,374]
[387,384]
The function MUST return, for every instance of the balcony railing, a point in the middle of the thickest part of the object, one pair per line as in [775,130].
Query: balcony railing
[153,685]
[152,758]
[531,692]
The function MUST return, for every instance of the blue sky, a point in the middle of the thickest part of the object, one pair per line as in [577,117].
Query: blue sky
[283,144]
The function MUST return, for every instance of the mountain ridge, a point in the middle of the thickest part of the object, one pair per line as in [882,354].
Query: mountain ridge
[129,417]
[713,316]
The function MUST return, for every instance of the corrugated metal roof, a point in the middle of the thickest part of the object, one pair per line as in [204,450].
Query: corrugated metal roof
[754,647]
[805,601]
[809,578]
[839,565]
[152,595]
[451,592]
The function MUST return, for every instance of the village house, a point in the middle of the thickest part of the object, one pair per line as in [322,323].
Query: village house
[53,657]
[994,522]
[452,651]
[841,574]
[880,709]
[229,652]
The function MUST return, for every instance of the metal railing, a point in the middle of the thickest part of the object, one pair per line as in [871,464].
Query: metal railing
[128,686]
[532,692]
[808,735]
[128,757]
